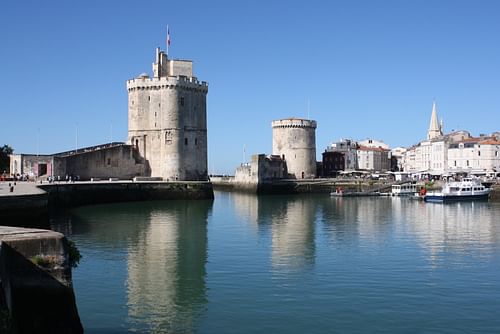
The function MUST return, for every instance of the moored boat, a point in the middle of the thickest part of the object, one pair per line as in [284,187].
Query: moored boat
[405,189]
[465,190]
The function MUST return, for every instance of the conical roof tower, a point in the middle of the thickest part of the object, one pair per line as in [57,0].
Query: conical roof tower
[435,130]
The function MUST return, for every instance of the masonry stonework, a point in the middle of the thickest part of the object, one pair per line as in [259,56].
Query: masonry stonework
[294,139]
[167,120]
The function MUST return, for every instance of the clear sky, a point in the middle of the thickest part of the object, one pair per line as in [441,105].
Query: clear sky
[369,69]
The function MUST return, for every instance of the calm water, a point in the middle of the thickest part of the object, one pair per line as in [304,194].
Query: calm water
[287,264]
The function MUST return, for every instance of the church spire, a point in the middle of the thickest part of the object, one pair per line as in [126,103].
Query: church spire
[435,130]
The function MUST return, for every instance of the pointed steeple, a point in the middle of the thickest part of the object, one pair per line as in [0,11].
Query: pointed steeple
[435,129]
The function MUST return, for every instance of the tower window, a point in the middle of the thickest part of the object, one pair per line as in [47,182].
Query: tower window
[185,141]
[149,98]
[182,101]
[196,141]
[168,137]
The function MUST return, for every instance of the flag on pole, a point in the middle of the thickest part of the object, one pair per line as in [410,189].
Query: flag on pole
[168,36]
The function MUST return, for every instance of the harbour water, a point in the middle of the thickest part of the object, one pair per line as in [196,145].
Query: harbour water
[287,264]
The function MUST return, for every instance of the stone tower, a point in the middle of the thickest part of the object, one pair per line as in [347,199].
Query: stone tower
[435,129]
[294,139]
[167,120]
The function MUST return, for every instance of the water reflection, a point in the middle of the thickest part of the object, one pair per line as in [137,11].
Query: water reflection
[460,228]
[165,253]
[351,220]
[290,220]
[296,263]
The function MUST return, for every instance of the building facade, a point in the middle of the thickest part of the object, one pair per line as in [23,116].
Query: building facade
[456,152]
[294,140]
[373,159]
[366,155]
[167,120]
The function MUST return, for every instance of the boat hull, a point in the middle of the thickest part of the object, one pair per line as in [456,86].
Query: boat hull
[440,198]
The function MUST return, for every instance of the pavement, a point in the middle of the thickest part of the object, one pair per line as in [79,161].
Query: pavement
[21,188]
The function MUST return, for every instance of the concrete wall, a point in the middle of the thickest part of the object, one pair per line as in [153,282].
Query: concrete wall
[38,296]
[295,139]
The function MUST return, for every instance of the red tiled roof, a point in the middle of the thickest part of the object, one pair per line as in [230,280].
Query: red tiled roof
[489,142]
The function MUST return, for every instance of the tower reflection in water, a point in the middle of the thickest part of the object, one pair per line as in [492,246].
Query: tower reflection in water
[164,248]
[290,221]
[166,268]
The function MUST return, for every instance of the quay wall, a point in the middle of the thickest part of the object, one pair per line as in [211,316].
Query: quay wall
[36,293]
[75,194]
[289,186]
[24,210]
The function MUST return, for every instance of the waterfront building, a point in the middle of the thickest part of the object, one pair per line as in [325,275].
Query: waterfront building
[373,158]
[475,155]
[350,155]
[294,140]
[442,155]
[397,156]
[167,120]
[340,156]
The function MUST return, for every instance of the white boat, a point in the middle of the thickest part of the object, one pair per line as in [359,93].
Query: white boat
[405,189]
[467,189]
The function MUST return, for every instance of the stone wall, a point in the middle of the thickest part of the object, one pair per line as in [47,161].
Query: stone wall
[75,194]
[295,141]
[113,162]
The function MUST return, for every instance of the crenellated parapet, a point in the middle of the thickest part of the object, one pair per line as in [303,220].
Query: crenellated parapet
[294,123]
[178,82]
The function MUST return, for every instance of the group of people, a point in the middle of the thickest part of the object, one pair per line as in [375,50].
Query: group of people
[68,178]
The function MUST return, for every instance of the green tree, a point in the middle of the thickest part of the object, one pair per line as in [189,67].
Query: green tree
[4,158]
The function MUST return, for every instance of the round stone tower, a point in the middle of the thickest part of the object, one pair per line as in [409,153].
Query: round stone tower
[294,139]
[167,120]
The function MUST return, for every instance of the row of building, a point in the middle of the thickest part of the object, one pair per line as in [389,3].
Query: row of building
[439,156]
[454,153]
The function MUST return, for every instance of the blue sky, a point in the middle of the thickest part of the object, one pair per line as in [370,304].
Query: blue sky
[369,69]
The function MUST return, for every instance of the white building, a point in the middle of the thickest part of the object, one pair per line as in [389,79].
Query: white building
[373,158]
[452,153]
